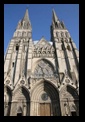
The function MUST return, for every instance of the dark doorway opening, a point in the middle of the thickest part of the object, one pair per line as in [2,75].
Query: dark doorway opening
[19,114]
[73,113]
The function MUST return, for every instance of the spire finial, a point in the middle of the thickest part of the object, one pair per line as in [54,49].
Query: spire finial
[25,23]
[54,15]
[26,16]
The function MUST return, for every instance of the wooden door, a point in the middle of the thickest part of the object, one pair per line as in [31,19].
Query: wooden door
[45,109]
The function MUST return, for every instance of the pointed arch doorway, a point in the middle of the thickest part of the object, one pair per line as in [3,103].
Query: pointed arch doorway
[45,105]
[21,105]
[69,101]
[45,109]
[19,111]
[45,100]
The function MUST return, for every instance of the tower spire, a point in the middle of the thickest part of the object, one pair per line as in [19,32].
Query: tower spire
[25,22]
[55,18]
[26,16]
[56,23]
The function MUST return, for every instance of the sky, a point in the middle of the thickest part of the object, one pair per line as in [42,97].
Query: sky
[41,18]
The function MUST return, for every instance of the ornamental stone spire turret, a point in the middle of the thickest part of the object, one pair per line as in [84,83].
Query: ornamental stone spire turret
[25,22]
[56,22]
[55,18]
[26,16]
[24,28]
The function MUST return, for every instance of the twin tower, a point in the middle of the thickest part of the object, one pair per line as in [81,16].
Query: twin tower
[41,78]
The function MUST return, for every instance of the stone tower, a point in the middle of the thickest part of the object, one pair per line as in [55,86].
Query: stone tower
[41,78]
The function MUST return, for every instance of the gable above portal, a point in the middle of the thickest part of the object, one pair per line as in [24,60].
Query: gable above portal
[43,42]
[43,48]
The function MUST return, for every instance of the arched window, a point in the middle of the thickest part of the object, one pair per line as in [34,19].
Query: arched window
[62,46]
[62,34]
[68,47]
[17,33]
[56,25]
[67,34]
[57,34]
[17,47]
[12,64]
[20,34]
[43,69]
[23,34]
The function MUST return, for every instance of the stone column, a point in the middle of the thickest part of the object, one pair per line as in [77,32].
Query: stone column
[31,108]
[24,109]
[75,55]
[60,58]
[34,109]
[28,108]
[18,63]
[67,60]
[8,57]
[6,109]
[29,63]
[37,109]
[13,66]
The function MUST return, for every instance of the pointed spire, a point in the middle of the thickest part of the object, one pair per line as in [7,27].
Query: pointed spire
[26,16]
[56,23]
[55,18]
[25,22]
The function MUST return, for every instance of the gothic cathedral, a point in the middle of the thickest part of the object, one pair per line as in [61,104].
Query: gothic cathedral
[41,78]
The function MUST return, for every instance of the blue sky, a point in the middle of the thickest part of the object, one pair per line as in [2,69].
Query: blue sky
[41,19]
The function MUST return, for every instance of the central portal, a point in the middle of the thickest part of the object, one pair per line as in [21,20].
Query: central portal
[45,109]
[45,100]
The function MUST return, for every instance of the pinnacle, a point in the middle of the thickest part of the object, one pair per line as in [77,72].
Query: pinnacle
[26,16]
[55,18]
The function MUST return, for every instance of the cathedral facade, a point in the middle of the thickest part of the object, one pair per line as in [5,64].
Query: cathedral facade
[41,78]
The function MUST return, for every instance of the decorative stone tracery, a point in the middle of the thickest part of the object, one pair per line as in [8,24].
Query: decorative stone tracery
[43,49]
[43,69]
[44,95]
